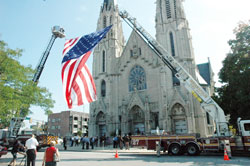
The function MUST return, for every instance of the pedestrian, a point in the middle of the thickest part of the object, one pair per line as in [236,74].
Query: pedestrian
[83,142]
[96,141]
[87,142]
[17,148]
[65,143]
[115,142]
[92,142]
[72,141]
[120,140]
[31,145]
[49,155]
[126,140]
[76,140]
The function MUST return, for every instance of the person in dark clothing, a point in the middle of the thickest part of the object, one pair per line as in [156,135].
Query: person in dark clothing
[65,143]
[17,148]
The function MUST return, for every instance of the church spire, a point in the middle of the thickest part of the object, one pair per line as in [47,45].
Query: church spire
[108,4]
[170,10]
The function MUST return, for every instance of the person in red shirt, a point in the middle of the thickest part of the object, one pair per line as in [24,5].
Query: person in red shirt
[48,158]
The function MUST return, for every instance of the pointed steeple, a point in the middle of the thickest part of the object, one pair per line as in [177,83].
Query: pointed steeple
[169,10]
[108,4]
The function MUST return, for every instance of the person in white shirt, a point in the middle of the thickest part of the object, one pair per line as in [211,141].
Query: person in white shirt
[31,145]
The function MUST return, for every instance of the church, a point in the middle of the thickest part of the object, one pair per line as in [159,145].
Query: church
[137,93]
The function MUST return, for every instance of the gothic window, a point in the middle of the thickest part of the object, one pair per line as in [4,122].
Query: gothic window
[172,43]
[137,79]
[104,21]
[208,119]
[131,53]
[139,51]
[168,9]
[110,20]
[103,88]
[175,12]
[103,61]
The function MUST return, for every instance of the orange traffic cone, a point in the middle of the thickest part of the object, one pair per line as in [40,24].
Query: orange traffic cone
[225,154]
[116,154]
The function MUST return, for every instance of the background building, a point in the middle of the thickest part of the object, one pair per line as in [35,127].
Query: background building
[68,123]
[138,93]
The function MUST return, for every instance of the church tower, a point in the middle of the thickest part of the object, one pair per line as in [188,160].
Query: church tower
[105,57]
[173,32]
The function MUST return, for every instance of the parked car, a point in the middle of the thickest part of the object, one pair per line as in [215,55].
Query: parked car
[3,151]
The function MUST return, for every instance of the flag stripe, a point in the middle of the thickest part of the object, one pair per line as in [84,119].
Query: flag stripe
[86,88]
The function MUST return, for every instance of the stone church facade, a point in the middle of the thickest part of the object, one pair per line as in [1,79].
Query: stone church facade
[138,93]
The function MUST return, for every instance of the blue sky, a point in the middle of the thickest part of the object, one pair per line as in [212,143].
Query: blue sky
[26,24]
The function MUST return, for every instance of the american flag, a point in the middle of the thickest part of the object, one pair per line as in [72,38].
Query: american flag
[78,84]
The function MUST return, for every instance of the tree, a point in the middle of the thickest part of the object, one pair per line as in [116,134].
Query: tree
[79,133]
[17,90]
[234,94]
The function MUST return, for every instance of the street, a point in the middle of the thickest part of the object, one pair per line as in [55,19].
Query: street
[132,157]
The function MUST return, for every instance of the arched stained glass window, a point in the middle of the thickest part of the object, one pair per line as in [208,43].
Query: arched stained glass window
[110,20]
[168,9]
[103,61]
[172,43]
[103,88]
[137,79]
[104,21]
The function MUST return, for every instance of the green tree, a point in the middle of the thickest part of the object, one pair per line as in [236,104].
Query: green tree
[17,90]
[79,133]
[234,94]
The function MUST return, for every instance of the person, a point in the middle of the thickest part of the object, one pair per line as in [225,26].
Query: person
[83,142]
[72,141]
[92,142]
[50,152]
[120,142]
[115,142]
[65,143]
[31,145]
[126,140]
[87,142]
[17,148]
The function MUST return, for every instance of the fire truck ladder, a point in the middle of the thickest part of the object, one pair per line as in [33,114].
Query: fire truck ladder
[207,103]
[16,123]
[56,32]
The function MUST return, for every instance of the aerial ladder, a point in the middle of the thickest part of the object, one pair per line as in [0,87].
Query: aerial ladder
[207,103]
[16,122]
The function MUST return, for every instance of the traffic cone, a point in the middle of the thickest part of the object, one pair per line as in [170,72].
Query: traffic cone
[116,154]
[225,154]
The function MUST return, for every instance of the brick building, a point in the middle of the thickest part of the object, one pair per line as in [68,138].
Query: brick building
[68,123]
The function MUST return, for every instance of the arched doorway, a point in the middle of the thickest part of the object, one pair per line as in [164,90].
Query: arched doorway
[179,119]
[101,124]
[136,121]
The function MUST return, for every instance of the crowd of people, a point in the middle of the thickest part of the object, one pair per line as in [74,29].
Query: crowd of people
[29,149]
[90,142]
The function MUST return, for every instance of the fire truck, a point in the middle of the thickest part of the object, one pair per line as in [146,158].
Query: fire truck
[191,144]
[13,132]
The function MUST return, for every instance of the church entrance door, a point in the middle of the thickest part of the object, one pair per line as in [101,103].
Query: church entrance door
[136,121]
[101,123]
[180,126]
[102,130]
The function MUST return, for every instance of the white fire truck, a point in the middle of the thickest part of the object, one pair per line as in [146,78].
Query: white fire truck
[190,143]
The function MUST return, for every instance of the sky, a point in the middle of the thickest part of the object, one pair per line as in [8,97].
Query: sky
[26,24]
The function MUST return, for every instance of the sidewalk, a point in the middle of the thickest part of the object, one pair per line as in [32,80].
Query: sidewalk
[103,149]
